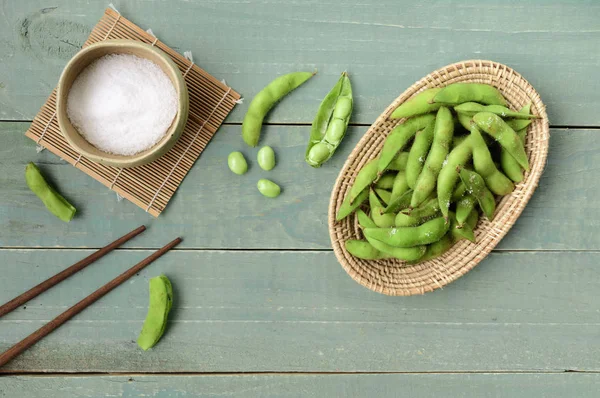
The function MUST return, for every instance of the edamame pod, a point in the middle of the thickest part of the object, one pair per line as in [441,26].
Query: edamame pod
[51,199]
[418,153]
[509,164]
[518,124]
[268,188]
[399,203]
[364,250]
[364,178]
[464,207]
[417,105]
[364,220]
[399,137]
[265,100]
[401,253]
[436,249]
[417,216]
[374,200]
[464,120]
[161,301]
[330,124]
[381,219]
[442,139]
[504,135]
[399,162]
[346,208]
[386,181]
[237,163]
[459,93]
[384,195]
[400,185]
[459,192]
[463,231]
[266,158]
[424,234]
[476,185]
[471,108]
[483,164]
[449,176]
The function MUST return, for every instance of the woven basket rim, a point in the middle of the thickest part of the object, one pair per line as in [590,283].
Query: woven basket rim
[396,278]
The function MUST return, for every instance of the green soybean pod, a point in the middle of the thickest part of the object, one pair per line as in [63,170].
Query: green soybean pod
[442,139]
[448,176]
[399,162]
[399,138]
[476,185]
[424,234]
[518,124]
[464,207]
[374,200]
[471,108]
[386,181]
[400,186]
[161,301]
[363,250]
[417,216]
[504,135]
[401,253]
[53,201]
[509,164]
[458,93]
[418,154]
[268,188]
[384,195]
[459,192]
[463,231]
[266,158]
[483,164]
[346,208]
[399,203]
[464,120]
[265,100]
[436,249]
[364,220]
[417,105]
[381,219]
[237,163]
[330,124]
[364,178]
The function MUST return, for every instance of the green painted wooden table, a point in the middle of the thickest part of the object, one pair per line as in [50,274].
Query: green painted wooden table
[262,306]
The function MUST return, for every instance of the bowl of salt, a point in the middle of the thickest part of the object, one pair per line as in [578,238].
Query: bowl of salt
[122,103]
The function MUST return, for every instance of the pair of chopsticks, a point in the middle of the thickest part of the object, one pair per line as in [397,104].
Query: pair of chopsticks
[54,324]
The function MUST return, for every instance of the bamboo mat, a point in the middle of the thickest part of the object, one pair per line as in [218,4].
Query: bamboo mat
[150,186]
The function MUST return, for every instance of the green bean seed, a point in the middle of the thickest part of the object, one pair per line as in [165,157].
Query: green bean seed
[424,234]
[364,178]
[417,105]
[266,158]
[386,181]
[265,100]
[399,138]
[400,185]
[268,188]
[418,154]
[364,250]
[509,164]
[464,207]
[483,164]
[384,195]
[448,176]
[399,162]
[399,203]
[51,199]
[471,108]
[330,124]
[346,208]
[442,139]
[459,93]
[381,219]
[161,301]
[401,253]
[476,186]
[504,135]
[364,220]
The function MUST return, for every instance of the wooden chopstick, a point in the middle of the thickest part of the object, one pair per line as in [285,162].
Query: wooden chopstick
[42,332]
[61,276]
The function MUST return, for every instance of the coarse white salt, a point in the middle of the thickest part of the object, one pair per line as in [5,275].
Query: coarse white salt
[122,104]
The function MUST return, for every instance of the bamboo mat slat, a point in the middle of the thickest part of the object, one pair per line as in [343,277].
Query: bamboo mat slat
[150,186]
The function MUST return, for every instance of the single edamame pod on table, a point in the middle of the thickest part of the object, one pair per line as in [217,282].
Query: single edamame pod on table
[504,135]
[268,188]
[53,201]
[418,153]
[448,176]
[399,138]
[266,158]
[330,124]
[161,301]
[417,105]
[346,208]
[265,100]
[471,108]
[476,185]
[442,139]
[426,233]
[483,164]
[364,250]
[237,163]
[458,93]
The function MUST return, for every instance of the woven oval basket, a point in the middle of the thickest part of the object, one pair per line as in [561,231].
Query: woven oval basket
[396,278]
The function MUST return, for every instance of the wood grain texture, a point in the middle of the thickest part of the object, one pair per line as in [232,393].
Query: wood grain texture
[385,46]
[239,311]
[216,209]
[512,385]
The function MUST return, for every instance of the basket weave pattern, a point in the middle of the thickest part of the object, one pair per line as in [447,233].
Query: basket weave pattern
[396,278]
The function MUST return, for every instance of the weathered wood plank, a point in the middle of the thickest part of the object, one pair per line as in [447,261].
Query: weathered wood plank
[217,209]
[513,385]
[298,311]
[386,46]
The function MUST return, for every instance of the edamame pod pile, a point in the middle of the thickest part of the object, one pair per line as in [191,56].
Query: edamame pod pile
[460,148]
